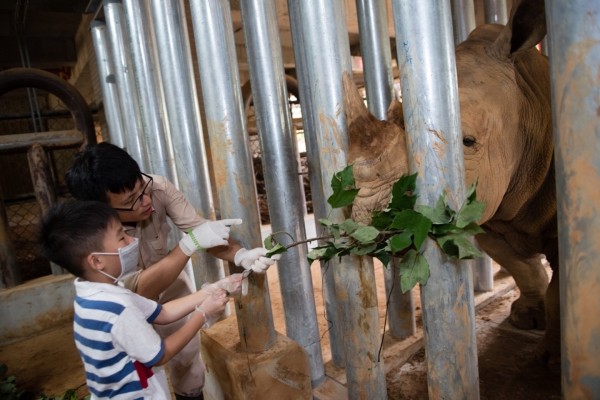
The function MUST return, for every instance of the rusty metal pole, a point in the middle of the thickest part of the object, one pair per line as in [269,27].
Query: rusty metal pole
[232,163]
[43,185]
[379,81]
[321,41]
[279,156]
[574,38]
[9,272]
[430,101]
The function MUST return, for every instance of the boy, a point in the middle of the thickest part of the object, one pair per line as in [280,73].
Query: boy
[120,350]
[107,173]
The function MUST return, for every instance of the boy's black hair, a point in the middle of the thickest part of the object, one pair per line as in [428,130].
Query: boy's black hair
[100,168]
[70,231]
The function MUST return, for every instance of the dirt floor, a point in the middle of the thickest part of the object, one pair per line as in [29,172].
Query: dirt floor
[49,363]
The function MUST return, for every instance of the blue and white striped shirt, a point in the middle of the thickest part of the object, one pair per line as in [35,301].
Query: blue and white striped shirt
[117,343]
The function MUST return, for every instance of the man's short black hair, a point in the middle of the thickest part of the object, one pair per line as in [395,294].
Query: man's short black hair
[100,168]
[70,231]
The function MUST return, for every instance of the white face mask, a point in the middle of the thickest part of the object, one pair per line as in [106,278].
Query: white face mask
[128,256]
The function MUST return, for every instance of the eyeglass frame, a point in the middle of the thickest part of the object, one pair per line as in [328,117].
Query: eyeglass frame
[139,198]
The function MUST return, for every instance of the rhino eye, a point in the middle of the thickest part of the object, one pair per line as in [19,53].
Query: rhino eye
[469,141]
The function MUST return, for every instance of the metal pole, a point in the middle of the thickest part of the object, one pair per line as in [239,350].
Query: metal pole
[108,84]
[323,37]
[185,126]
[310,124]
[151,99]
[230,152]
[463,19]
[430,102]
[128,94]
[574,39]
[379,81]
[279,155]
[463,22]
[495,12]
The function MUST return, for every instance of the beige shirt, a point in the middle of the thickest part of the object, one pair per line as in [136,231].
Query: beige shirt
[153,233]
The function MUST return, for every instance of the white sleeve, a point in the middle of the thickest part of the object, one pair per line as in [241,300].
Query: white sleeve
[134,335]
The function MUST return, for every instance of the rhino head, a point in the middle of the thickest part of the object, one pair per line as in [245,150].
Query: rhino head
[503,85]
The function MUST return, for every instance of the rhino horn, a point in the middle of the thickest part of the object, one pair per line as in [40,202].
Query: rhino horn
[526,28]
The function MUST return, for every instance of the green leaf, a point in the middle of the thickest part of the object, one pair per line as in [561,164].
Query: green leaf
[440,214]
[363,250]
[343,187]
[413,269]
[382,256]
[365,234]
[324,253]
[276,249]
[414,222]
[458,245]
[400,241]
[470,212]
[403,197]
[382,219]
[349,226]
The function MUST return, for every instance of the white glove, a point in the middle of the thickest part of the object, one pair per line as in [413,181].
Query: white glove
[212,307]
[207,235]
[232,284]
[255,259]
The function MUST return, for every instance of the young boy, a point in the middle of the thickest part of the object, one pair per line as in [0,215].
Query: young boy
[107,173]
[119,348]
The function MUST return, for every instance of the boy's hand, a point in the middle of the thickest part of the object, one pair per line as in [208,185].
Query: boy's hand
[207,235]
[255,259]
[213,306]
[232,284]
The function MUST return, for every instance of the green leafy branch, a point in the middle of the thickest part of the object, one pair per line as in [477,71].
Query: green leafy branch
[399,230]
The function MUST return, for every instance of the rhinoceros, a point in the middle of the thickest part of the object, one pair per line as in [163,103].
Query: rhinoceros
[504,92]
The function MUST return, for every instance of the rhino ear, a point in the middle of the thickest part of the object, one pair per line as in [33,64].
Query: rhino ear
[395,114]
[355,107]
[526,27]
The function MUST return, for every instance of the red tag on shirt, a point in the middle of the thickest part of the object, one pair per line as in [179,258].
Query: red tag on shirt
[144,373]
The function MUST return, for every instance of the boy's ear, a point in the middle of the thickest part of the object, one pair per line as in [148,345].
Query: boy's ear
[93,262]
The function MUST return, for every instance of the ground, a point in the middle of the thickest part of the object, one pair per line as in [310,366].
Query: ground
[49,363]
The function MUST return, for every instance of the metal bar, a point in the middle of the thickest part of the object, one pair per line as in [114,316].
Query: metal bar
[151,100]
[279,159]
[379,81]
[128,93]
[16,141]
[495,12]
[185,125]
[430,101]
[574,39]
[232,164]
[322,36]
[108,85]
[310,124]
[463,19]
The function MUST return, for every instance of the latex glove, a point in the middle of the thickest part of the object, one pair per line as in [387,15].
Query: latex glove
[212,307]
[232,284]
[207,235]
[255,259]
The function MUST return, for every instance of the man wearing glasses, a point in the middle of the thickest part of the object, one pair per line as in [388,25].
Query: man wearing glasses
[107,173]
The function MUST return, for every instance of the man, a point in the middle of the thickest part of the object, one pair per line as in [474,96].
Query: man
[107,173]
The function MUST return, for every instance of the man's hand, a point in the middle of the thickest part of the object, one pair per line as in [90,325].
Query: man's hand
[255,259]
[207,235]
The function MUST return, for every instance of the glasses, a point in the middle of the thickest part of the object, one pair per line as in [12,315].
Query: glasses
[138,200]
